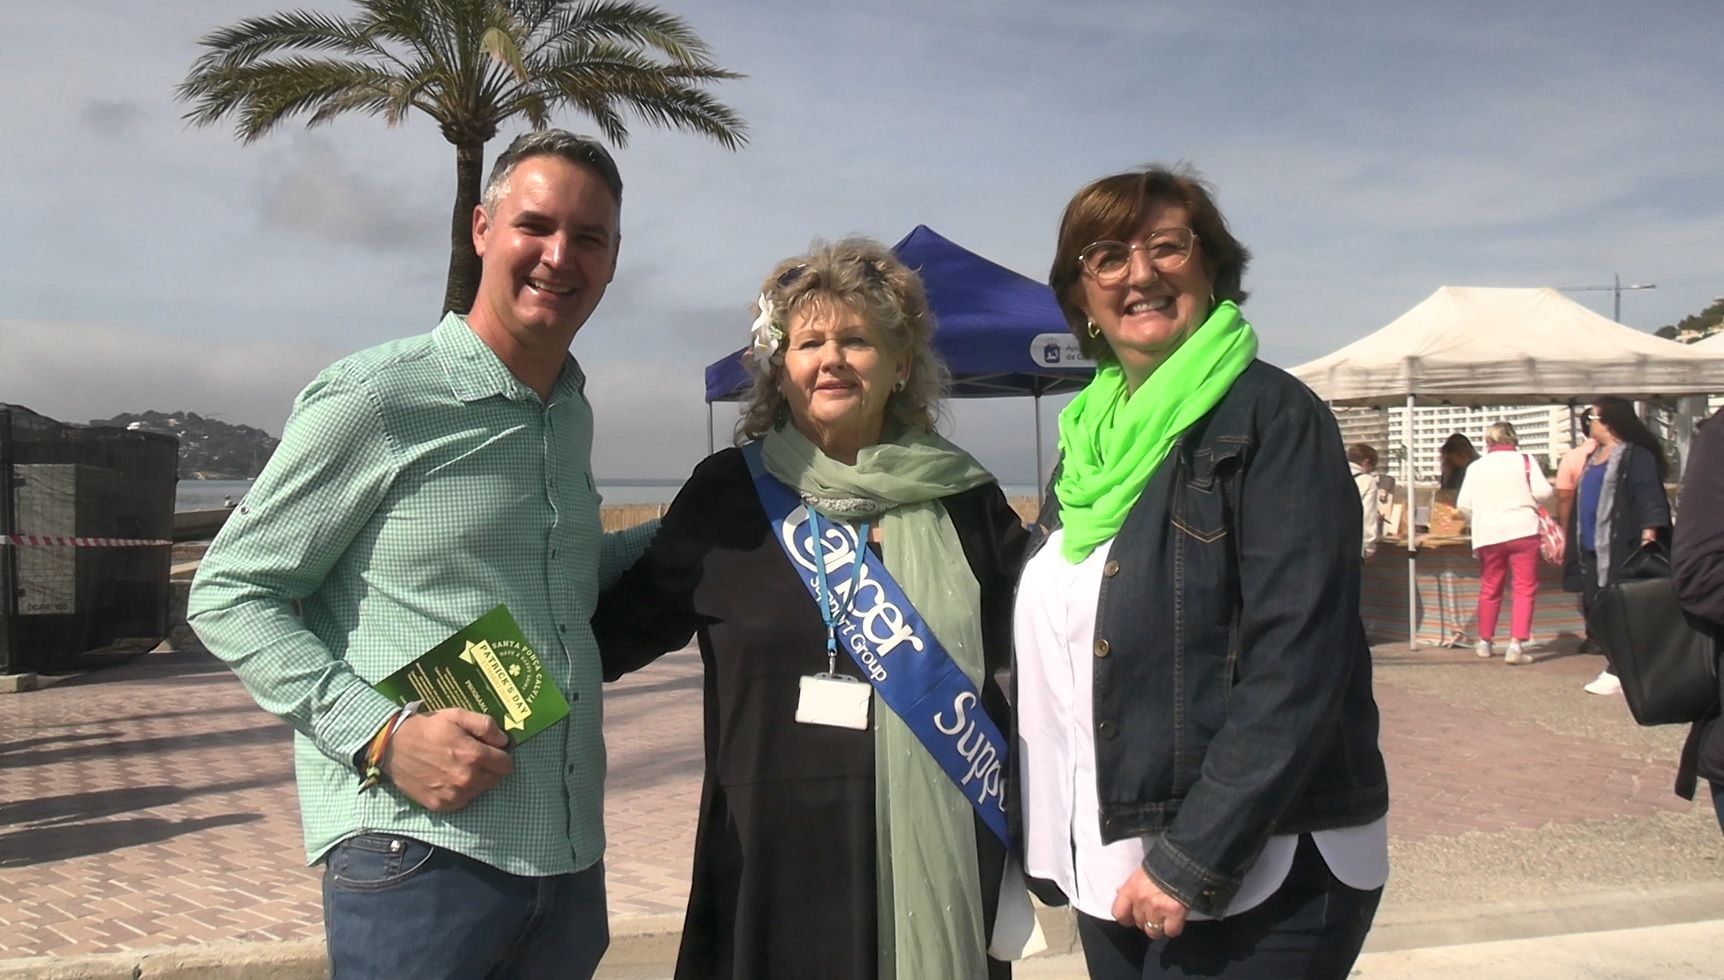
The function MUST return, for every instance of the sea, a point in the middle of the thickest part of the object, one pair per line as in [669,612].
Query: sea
[212,494]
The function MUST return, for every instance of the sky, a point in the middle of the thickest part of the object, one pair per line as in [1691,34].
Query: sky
[1367,153]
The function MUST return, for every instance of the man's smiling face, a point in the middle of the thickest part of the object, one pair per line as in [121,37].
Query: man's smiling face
[548,249]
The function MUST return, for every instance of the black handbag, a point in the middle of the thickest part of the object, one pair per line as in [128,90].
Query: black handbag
[1667,663]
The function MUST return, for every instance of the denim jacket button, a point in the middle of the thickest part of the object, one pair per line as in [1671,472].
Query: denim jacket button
[1107,729]
[1110,569]
[1101,648]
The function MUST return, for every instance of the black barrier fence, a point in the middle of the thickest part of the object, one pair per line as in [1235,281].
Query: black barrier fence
[86,517]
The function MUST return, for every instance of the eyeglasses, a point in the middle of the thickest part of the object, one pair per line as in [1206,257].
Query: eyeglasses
[1586,419]
[1167,249]
[870,268]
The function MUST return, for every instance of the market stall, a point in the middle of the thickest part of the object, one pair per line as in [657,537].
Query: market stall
[1482,346]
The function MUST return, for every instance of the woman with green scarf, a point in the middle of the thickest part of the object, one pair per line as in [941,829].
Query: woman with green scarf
[842,545]
[1198,770]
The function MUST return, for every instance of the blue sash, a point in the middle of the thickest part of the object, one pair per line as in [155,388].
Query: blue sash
[895,650]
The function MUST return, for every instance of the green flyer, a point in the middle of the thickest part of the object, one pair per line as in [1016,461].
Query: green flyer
[486,666]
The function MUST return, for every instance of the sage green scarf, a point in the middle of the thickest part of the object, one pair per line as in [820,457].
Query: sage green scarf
[1112,443]
[930,901]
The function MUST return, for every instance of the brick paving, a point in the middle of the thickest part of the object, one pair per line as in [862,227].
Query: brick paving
[151,804]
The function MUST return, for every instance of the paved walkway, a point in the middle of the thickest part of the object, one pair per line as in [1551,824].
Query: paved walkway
[151,804]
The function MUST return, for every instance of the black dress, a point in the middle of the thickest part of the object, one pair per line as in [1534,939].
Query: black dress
[784,854]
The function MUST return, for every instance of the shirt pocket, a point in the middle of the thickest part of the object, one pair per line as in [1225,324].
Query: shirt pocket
[1200,504]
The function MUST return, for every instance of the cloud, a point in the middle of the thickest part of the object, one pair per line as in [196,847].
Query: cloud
[321,195]
[75,372]
[110,118]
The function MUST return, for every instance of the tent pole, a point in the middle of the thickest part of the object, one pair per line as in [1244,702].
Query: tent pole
[709,447]
[1412,548]
[1041,481]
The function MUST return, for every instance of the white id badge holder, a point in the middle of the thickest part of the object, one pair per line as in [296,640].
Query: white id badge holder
[833,699]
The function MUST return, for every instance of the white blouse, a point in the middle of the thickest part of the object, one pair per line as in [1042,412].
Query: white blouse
[1054,624]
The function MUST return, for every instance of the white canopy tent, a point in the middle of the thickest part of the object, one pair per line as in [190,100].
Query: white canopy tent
[1478,346]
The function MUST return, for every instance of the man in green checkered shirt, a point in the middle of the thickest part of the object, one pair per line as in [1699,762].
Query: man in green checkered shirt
[418,484]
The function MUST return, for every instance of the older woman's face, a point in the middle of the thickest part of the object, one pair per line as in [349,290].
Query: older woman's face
[1146,315]
[836,379]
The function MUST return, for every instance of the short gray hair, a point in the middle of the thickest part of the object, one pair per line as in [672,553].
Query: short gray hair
[863,275]
[1502,434]
[582,151]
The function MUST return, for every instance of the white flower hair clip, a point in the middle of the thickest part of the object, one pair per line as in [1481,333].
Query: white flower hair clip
[765,336]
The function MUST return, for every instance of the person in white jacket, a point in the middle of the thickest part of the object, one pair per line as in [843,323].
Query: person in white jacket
[1362,460]
[1501,496]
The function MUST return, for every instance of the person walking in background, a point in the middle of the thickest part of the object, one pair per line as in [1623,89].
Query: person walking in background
[1568,472]
[417,485]
[1456,454]
[1362,461]
[832,844]
[1500,496]
[1620,504]
[1199,772]
[1697,574]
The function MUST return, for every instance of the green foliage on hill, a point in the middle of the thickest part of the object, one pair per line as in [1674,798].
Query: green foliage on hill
[1698,326]
[210,449]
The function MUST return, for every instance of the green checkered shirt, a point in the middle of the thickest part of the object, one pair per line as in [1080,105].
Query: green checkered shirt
[417,485]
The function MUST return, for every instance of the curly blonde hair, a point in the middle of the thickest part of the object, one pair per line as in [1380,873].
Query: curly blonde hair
[864,276]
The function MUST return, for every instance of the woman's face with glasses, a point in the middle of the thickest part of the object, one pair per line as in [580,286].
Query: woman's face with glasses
[1148,294]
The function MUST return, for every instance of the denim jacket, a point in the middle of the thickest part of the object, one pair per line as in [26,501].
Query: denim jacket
[1232,675]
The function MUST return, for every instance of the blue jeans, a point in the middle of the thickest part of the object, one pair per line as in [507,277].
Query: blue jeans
[396,907]
[1313,926]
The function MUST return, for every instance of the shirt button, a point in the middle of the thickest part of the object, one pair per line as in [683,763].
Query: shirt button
[1110,569]
[1107,729]
[561,627]
[571,769]
[553,552]
[1101,648]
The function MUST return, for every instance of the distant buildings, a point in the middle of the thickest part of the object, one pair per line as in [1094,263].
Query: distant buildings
[1543,430]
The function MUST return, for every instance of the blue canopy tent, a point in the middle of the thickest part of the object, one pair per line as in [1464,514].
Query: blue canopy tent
[1000,333]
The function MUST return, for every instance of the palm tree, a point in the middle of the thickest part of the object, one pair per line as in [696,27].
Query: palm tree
[469,64]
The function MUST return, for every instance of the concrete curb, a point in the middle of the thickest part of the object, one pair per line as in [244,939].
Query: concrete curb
[645,946]
[300,960]
[1599,911]
[641,947]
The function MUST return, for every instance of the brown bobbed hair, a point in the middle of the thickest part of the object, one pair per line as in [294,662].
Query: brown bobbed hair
[1113,208]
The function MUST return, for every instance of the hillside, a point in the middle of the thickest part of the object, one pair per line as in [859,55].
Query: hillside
[1697,326]
[210,449]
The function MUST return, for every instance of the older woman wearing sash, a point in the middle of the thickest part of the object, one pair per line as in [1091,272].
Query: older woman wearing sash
[848,575]
[1200,771]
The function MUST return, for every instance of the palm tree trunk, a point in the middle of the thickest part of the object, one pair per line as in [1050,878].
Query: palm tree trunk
[463,282]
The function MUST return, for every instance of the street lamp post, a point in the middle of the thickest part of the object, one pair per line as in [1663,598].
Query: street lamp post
[1616,287]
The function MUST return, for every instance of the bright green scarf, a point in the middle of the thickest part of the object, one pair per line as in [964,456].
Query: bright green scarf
[1111,443]
[930,895]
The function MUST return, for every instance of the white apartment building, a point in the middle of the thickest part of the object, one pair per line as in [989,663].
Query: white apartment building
[1543,431]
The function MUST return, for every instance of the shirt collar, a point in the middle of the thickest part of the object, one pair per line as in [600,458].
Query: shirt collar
[475,372]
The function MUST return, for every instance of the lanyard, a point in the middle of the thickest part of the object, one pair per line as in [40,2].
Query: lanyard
[826,613]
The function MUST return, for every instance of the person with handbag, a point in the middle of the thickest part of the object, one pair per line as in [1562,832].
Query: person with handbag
[1697,574]
[1619,505]
[1501,497]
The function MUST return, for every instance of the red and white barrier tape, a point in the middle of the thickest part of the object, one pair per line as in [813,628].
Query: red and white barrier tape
[53,541]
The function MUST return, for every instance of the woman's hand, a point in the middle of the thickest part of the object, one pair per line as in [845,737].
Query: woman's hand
[1141,904]
[1648,535]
